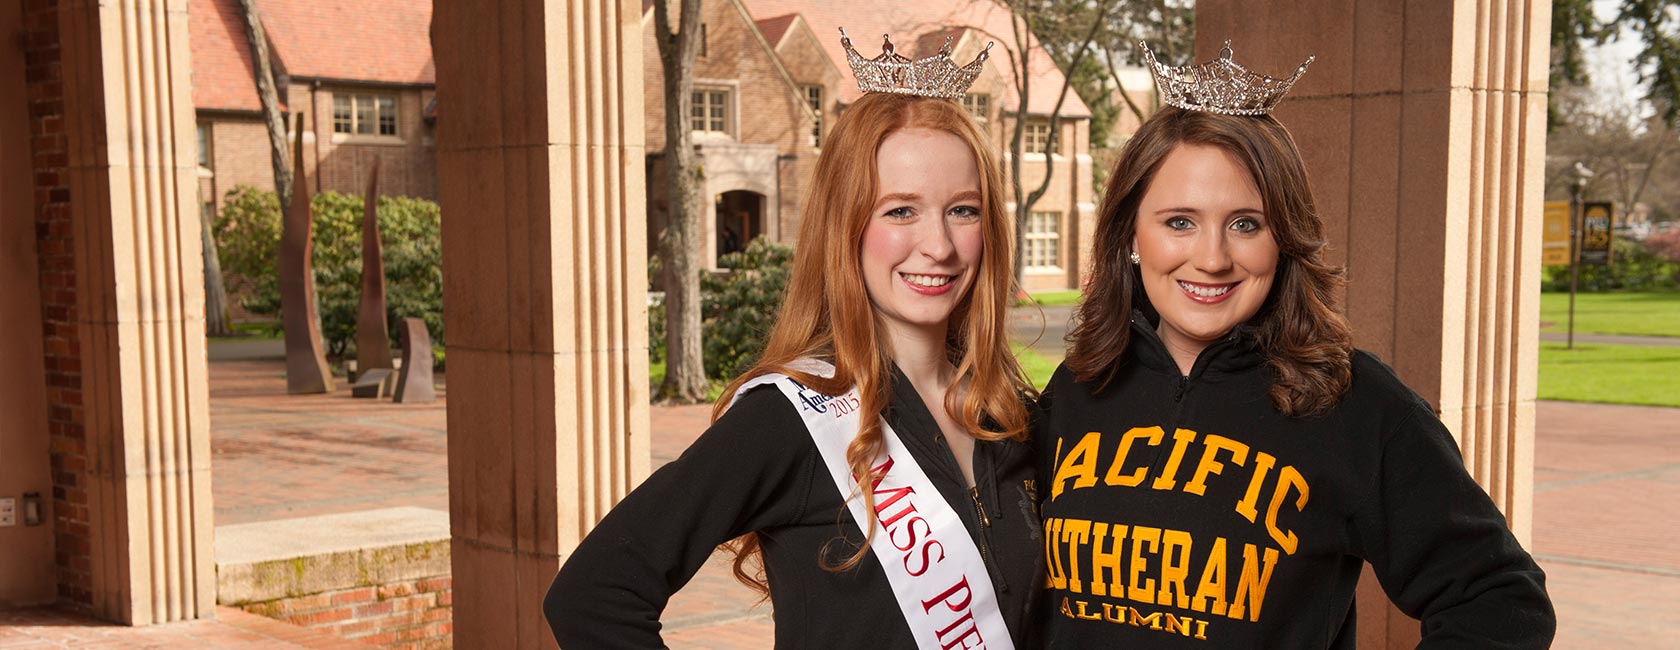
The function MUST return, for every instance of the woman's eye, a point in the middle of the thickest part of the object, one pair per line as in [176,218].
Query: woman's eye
[900,213]
[966,212]
[1180,223]
[1246,225]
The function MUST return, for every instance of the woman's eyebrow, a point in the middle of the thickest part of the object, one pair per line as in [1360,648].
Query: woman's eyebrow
[970,195]
[898,196]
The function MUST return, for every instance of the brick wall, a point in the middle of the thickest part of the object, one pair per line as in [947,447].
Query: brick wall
[407,615]
[55,246]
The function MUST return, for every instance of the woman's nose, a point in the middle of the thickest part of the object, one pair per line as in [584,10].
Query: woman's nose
[1212,256]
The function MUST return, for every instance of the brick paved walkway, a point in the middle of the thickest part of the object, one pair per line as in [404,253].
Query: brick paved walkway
[1602,531]
[49,629]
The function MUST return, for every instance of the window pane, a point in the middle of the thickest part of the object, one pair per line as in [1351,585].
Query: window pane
[341,114]
[387,116]
[364,115]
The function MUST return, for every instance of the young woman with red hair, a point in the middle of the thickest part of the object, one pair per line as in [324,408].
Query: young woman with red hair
[873,461]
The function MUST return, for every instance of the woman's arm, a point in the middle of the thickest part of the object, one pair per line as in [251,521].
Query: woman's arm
[749,471]
[1443,552]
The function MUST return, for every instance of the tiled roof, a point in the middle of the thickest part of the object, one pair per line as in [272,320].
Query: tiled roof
[866,20]
[774,28]
[382,41]
[221,57]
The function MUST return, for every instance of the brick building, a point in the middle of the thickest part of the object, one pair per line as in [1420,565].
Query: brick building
[361,74]
[371,79]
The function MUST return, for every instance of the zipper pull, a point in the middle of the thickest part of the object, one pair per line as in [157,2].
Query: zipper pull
[978,507]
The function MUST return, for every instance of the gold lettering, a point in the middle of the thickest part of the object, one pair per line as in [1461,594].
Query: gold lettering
[1089,616]
[1252,585]
[1055,577]
[1075,532]
[1262,465]
[1110,616]
[1210,593]
[1212,444]
[1181,441]
[1108,561]
[1152,620]
[1065,610]
[1287,477]
[1201,630]
[1142,591]
[1153,435]
[1179,625]
[1080,465]
[1175,567]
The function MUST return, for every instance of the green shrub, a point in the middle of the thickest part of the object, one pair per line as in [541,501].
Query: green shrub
[248,237]
[656,316]
[739,305]
[1633,268]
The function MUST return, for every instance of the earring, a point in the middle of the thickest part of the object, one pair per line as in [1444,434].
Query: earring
[1136,259]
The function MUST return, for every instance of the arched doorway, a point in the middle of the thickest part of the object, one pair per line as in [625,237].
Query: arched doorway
[740,219]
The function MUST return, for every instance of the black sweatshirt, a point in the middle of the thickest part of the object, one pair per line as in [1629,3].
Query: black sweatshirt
[1190,513]
[757,469]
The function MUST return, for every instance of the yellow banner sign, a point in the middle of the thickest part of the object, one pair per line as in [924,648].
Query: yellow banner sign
[1554,240]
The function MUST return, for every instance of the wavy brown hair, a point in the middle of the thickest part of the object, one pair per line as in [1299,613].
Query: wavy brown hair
[1304,336]
[828,314]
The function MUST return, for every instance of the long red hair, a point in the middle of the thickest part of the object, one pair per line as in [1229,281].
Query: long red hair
[827,313]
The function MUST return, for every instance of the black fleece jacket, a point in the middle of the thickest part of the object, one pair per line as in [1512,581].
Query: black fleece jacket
[757,469]
[1187,512]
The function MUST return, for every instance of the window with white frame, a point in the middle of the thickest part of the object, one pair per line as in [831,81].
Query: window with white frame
[979,105]
[1044,240]
[205,160]
[364,114]
[710,111]
[1038,137]
[814,98]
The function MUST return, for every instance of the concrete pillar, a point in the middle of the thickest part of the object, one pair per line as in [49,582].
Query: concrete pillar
[540,161]
[26,575]
[1423,125]
[139,309]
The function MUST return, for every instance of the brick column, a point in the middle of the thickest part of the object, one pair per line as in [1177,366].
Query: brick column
[135,540]
[1423,125]
[540,162]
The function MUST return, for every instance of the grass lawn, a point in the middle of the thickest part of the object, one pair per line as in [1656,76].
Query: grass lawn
[1620,374]
[1055,298]
[1640,314]
[1037,366]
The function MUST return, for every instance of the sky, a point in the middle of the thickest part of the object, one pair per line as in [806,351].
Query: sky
[1611,65]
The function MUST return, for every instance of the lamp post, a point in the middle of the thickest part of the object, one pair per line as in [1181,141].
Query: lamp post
[1582,175]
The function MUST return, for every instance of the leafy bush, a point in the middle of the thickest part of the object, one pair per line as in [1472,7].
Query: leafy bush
[739,305]
[1633,267]
[248,236]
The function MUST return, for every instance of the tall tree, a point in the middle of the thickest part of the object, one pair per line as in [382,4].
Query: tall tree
[679,249]
[1026,15]
[1655,23]
[263,70]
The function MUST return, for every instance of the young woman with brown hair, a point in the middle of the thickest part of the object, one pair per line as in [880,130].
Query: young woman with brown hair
[1221,460]
[874,459]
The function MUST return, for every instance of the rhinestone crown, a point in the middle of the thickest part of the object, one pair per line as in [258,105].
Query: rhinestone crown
[934,76]
[1221,85]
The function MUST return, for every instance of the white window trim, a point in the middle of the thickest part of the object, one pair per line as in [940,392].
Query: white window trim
[732,104]
[1058,238]
[364,138]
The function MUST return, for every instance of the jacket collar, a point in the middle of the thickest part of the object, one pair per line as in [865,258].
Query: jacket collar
[1238,351]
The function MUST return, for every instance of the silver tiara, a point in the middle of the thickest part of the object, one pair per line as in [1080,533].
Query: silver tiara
[934,76]
[1221,85]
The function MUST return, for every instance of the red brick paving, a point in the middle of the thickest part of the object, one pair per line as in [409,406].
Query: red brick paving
[51,629]
[1602,475]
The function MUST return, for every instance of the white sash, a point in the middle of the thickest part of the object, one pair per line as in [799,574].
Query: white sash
[935,571]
